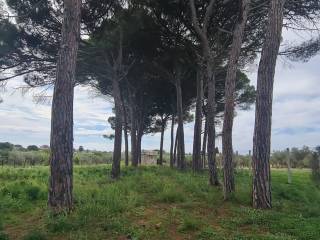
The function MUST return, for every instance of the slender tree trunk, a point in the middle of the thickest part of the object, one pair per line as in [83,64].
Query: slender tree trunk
[289,166]
[175,158]
[230,86]
[261,193]
[134,158]
[196,156]
[211,147]
[126,141]
[181,150]
[60,196]
[115,172]
[139,140]
[204,143]
[172,143]
[161,140]
[125,131]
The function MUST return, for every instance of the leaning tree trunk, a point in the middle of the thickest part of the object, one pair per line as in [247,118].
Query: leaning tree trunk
[261,193]
[196,156]
[60,196]
[181,149]
[230,85]
[115,172]
[172,142]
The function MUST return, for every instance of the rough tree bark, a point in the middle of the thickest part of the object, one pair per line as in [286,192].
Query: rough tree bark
[230,85]
[196,156]
[172,142]
[261,193]
[60,196]
[210,78]
[180,144]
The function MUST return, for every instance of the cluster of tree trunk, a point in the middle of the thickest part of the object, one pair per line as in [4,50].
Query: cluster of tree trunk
[45,51]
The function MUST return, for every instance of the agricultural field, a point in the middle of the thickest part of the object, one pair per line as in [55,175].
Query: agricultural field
[156,203]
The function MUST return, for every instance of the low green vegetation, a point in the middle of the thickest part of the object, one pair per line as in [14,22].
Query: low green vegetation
[156,203]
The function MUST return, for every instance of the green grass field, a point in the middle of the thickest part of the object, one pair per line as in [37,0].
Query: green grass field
[156,203]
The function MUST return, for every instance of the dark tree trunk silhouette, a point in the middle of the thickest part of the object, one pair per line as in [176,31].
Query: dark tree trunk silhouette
[125,131]
[60,196]
[175,160]
[261,193]
[230,85]
[139,140]
[196,156]
[163,124]
[172,143]
[204,143]
[133,117]
[180,144]
[116,92]
[115,172]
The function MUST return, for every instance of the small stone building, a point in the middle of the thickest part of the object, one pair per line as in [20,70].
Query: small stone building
[149,157]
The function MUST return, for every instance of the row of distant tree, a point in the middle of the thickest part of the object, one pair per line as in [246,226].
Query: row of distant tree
[18,155]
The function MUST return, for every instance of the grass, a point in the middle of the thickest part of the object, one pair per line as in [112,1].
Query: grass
[156,203]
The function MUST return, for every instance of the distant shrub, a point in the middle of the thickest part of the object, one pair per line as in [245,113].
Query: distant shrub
[33,193]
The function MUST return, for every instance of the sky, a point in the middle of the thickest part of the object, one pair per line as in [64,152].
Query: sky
[296,112]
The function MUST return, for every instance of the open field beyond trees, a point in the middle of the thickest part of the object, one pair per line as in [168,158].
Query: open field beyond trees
[156,203]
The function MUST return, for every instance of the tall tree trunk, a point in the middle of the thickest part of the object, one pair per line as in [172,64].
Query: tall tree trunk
[202,32]
[161,140]
[134,156]
[211,147]
[139,140]
[204,143]
[125,131]
[230,85]
[126,141]
[261,193]
[172,143]
[60,196]
[175,158]
[116,92]
[181,149]
[115,172]
[196,156]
